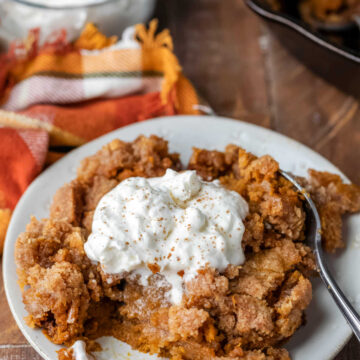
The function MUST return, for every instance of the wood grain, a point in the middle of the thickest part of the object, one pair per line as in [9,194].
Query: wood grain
[244,73]
[18,352]
[217,43]
[311,111]
[9,332]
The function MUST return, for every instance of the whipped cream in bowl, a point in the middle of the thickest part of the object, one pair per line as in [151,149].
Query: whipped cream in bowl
[173,225]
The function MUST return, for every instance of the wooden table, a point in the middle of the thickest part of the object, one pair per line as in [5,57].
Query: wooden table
[244,73]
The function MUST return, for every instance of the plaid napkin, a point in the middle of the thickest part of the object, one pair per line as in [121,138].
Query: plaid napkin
[61,95]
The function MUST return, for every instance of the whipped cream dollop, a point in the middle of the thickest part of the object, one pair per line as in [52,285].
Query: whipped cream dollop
[173,225]
[79,351]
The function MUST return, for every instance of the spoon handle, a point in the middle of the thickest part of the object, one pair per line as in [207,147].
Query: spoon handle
[350,314]
[348,311]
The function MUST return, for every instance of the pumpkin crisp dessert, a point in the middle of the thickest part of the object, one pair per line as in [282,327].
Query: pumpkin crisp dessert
[206,261]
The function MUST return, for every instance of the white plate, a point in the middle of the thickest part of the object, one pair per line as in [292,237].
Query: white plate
[325,332]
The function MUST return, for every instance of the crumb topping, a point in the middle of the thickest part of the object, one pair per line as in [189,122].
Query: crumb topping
[241,313]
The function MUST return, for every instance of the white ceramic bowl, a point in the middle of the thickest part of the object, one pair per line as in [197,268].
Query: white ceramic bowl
[325,332]
[111,16]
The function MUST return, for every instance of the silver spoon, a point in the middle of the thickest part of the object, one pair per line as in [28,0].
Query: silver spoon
[314,240]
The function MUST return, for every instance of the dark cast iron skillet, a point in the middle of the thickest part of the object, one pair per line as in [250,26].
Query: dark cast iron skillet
[335,57]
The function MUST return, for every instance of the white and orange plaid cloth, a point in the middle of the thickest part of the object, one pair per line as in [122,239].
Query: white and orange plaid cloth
[61,95]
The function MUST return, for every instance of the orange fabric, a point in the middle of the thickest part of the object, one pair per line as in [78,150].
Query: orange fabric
[186,96]
[15,64]
[158,55]
[5,215]
[92,39]
[95,118]
[45,63]
[105,61]
[18,165]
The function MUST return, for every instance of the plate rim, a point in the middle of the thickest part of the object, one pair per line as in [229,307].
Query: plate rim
[8,256]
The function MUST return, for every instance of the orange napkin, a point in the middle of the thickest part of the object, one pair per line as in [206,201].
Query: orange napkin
[61,95]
